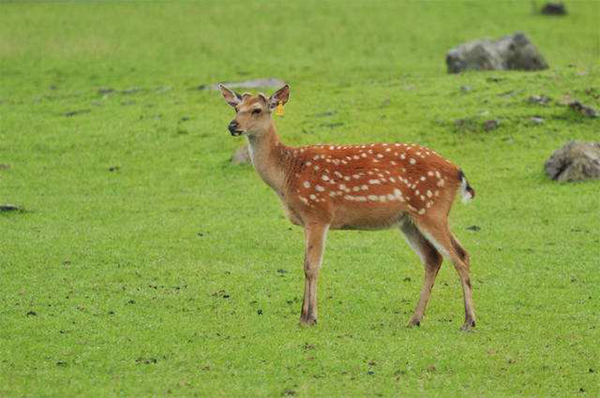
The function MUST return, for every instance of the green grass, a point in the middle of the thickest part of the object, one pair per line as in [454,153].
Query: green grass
[160,277]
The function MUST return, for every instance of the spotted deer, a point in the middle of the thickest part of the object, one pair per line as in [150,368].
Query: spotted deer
[357,187]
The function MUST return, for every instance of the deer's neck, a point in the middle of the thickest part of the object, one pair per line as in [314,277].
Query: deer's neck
[269,157]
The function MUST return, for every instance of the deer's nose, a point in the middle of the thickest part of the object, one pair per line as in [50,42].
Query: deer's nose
[233,128]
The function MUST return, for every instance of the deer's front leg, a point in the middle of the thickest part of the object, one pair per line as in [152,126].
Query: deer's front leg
[314,235]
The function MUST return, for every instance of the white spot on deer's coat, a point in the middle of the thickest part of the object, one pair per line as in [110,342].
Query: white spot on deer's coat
[364,187]
[403,156]
[324,177]
[440,183]
[319,188]
[422,211]
[422,178]
[437,174]
[382,198]
[430,173]
[412,161]
[306,184]
[332,194]
[304,200]
[379,155]
[316,168]
[391,197]
[373,198]
[355,176]
[429,194]
[312,197]
[374,182]
[356,189]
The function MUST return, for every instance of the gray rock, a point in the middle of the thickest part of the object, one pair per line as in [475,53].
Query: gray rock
[576,161]
[585,110]
[241,156]
[514,52]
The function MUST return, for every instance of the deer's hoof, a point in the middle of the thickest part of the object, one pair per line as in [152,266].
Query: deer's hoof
[413,323]
[308,321]
[468,326]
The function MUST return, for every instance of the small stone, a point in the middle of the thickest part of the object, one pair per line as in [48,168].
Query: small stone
[554,9]
[537,120]
[8,207]
[539,99]
[490,125]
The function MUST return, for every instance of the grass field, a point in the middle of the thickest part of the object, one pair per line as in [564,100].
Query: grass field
[145,264]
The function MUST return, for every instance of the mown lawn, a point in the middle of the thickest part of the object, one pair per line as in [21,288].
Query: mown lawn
[145,264]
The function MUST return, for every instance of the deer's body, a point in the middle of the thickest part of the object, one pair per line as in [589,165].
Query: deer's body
[365,186]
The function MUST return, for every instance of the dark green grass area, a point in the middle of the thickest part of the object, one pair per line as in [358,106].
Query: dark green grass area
[145,264]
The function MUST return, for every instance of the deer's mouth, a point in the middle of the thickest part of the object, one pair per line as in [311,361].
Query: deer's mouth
[236,133]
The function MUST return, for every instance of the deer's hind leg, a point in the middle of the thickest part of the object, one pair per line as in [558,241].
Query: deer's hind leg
[432,261]
[438,234]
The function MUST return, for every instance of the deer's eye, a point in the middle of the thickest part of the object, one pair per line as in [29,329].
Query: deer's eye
[256,111]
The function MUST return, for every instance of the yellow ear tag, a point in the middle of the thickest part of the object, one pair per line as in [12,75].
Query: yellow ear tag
[279,110]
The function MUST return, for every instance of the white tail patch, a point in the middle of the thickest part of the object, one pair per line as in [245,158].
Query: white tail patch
[466,195]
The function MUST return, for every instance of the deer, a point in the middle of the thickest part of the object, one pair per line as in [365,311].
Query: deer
[357,187]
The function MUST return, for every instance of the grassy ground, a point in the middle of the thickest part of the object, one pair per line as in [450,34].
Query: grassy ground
[145,264]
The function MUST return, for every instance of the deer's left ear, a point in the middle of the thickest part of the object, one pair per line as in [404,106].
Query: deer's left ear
[230,96]
[282,95]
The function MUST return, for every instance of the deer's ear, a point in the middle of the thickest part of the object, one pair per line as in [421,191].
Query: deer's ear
[230,96]
[280,96]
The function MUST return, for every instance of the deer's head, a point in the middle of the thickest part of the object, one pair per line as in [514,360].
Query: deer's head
[253,112]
